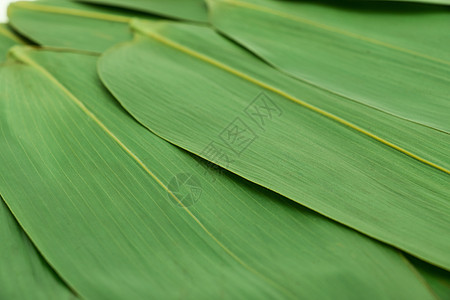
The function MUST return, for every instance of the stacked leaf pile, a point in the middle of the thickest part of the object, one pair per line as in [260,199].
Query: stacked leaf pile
[225,149]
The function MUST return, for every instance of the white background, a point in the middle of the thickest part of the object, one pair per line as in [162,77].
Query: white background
[3,5]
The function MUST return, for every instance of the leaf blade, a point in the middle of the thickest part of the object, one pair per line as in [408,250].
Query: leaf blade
[24,273]
[188,10]
[192,121]
[184,248]
[341,56]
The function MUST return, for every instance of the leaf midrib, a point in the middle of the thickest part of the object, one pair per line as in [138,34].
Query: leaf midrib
[71,11]
[21,56]
[331,29]
[153,34]
[121,19]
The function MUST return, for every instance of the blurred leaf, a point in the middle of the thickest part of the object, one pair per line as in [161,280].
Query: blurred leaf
[381,58]
[438,279]
[375,3]
[7,40]
[189,10]
[72,25]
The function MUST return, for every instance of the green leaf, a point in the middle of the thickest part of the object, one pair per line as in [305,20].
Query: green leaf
[7,40]
[379,58]
[376,3]
[72,25]
[118,224]
[189,10]
[23,273]
[208,94]
[442,2]
[438,279]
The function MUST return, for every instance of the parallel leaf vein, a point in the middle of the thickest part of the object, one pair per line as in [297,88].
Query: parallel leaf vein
[334,30]
[21,56]
[318,110]
[72,12]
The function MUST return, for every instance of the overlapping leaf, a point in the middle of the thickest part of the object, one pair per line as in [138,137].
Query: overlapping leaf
[7,40]
[72,25]
[353,2]
[23,273]
[201,100]
[115,228]
[395,61]
[442,2]
[438,279]
[237,234]
[189,10]
[414,140]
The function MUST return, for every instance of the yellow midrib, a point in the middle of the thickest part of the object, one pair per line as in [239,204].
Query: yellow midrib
[332,29]
[71,11]
[20,55]
[156,36]
[120,19]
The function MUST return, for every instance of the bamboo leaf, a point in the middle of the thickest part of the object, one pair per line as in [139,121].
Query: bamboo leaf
[7,40]
[422,143]
[206,101]
[189,10]
[357,57]
[438,279]
[24,274]
[376,3]
[117,227]
[387,22]
[72,25]
[442,2]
